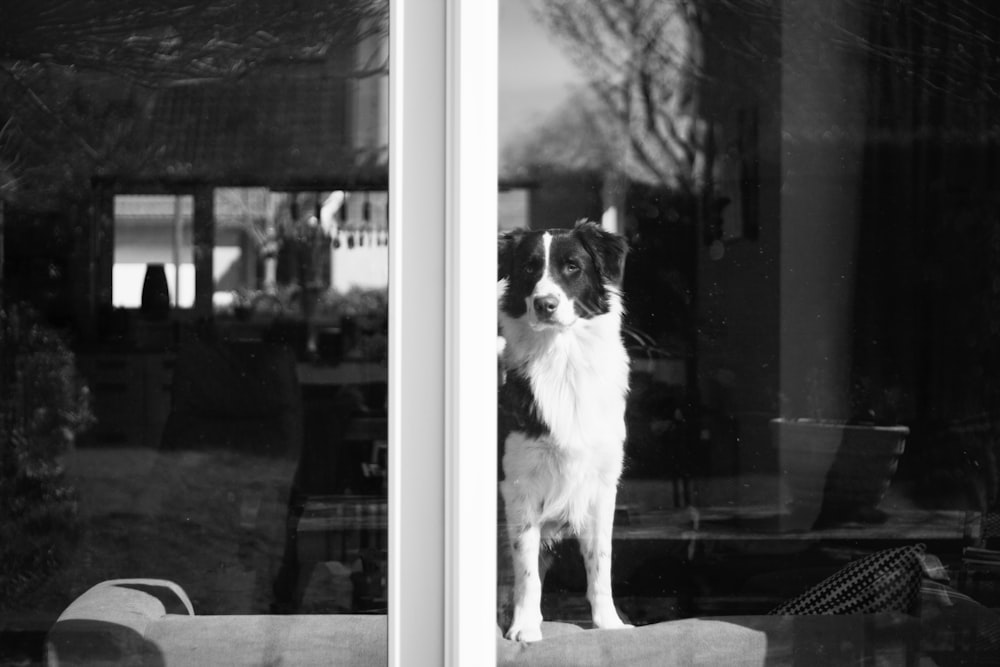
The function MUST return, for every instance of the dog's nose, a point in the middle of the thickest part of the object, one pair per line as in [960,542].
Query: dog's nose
[545,306]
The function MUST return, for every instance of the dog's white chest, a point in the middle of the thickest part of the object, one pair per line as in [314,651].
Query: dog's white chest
[581,397]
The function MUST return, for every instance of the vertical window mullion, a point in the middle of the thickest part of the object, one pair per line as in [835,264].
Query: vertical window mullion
[416,332]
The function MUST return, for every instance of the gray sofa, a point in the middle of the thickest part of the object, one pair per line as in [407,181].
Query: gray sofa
[152,622]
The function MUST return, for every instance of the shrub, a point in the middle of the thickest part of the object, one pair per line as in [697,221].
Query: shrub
[43,406]
[370,304]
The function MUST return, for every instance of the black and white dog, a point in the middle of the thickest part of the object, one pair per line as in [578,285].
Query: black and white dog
[562,406]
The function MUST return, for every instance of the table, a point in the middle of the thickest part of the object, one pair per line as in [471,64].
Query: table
[345,373]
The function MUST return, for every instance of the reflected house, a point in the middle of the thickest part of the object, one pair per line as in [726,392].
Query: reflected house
[199,177]
[274,182]
[195,181]
[303,128]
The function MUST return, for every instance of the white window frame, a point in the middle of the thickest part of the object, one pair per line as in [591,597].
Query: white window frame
[442,323]
[416,331]
[471,315]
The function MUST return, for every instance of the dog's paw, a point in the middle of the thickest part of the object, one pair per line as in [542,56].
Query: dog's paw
[524,633]
[608,619]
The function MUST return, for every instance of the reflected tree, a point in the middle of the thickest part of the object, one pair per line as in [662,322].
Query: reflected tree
[926,305]
[642,60]
[146,41]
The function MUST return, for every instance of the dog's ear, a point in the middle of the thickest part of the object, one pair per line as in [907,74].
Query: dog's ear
[506,243]
[608,250]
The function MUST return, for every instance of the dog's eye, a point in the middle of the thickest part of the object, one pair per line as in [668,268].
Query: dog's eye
[571,267]
[532,267]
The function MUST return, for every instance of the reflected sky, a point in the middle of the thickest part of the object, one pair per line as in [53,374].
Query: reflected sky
[535,75]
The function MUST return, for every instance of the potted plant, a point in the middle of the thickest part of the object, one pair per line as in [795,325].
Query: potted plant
[244,300]
[361,317]
[837,468]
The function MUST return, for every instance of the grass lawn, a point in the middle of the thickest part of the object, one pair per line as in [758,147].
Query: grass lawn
[213,522]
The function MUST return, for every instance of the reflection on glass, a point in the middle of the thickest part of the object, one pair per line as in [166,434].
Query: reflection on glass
[809,194]
[193,338]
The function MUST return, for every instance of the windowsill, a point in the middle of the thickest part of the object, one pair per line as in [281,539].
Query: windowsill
[764,523]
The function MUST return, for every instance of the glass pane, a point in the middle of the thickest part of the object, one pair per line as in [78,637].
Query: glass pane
[194,332]
[808,191]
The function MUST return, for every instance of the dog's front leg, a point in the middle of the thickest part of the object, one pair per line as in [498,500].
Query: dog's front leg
[595,545]
[525,541]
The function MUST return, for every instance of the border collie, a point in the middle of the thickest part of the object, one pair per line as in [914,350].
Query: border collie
[562,406]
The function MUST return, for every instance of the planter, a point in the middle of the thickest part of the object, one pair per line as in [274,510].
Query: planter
[330,345]
[155,304]
[834,472]
[291,333]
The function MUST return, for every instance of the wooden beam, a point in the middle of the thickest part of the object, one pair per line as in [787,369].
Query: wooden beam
[204,246]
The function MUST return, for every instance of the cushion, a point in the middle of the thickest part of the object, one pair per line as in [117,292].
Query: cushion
[689,641]
[152,622]
[953,624]
[886,580]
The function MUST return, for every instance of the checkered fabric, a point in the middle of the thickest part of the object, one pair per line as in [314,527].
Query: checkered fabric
[887,580]
[991,525]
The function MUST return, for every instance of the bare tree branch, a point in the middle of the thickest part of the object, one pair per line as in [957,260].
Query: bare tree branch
[644,59]
[638,57]
[41,106]
[151,40]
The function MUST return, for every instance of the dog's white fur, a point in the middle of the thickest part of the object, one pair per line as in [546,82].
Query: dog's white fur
[578,370]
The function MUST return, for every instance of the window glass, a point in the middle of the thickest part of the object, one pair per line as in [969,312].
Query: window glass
[808,194]
[194,327]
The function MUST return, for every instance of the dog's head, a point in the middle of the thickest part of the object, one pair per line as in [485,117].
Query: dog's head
[557,276]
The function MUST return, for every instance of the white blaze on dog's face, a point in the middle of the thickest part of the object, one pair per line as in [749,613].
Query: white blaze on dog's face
[549,304]
[557,277]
